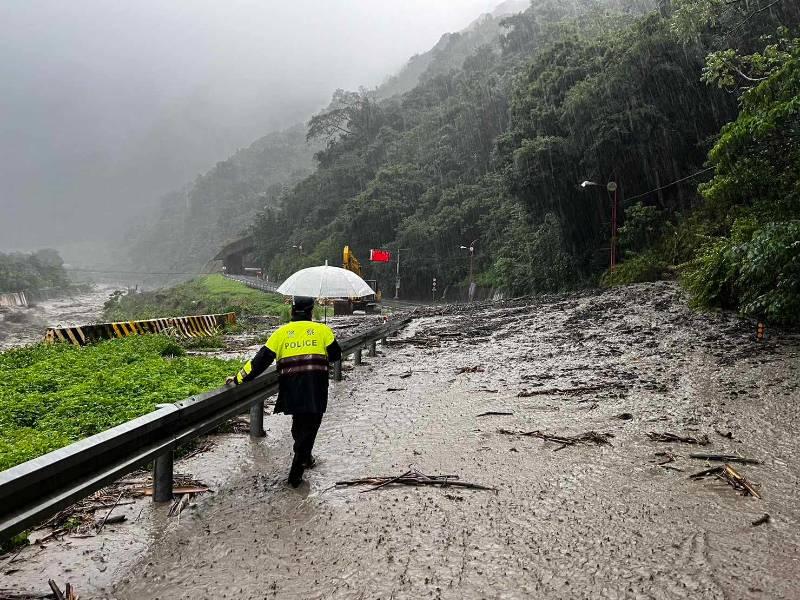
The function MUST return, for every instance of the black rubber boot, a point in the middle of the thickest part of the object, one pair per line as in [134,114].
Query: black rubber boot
[296,474]
[310,462]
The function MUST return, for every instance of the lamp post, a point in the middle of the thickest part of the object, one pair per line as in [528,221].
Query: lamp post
[471,249]
[612,188]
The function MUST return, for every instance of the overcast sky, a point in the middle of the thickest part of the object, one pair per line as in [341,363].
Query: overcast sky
[107,104]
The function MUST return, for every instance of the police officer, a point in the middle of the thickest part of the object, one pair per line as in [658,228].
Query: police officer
[303,350]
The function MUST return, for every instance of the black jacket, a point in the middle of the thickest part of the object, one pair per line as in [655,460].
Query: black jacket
[303,380]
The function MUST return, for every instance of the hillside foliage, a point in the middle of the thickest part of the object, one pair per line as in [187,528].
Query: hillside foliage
[658,98]
[688,105]
[192,224]
[20,272]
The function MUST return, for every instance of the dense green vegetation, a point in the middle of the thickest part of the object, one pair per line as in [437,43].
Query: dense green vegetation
[51,396]
[209,294]
[494,151]
[750,260]
[30,272]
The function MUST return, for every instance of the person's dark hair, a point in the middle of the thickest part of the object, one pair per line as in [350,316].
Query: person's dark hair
[302,306]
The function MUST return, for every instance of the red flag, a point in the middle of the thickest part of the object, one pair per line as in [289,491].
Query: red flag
[380,256]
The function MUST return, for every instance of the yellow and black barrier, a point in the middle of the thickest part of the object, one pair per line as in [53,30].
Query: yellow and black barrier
[193,326]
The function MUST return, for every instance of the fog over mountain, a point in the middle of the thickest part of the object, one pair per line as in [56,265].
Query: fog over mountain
[108,105]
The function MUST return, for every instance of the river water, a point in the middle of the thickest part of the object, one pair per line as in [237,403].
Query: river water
[20,326]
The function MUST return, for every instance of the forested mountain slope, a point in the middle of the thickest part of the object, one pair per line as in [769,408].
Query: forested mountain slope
[194,222]
[494,151]
[451,50]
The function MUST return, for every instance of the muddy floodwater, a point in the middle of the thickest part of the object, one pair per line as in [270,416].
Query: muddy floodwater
[589,520]
[20,326]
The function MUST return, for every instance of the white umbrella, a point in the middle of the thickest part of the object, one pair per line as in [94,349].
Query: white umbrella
[325,282]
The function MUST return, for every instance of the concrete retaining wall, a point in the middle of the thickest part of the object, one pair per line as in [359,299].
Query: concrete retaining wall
[13,299]
[193,326]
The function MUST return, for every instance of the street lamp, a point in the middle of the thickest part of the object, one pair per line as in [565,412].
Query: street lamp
[471,249]
[612,188]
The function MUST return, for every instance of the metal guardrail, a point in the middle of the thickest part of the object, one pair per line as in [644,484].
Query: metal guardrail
[255,283]
[37,489]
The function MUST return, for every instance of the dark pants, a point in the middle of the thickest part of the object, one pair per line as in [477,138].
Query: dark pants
[304,432]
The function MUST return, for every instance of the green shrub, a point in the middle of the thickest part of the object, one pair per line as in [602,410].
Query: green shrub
[755,271]
[208,342]
[636,269]
[644,225]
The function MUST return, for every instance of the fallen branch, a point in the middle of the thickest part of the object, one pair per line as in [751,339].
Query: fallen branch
[108,514]
[495,413]
[671,437]
[56,590]
[590,437]
[554,391]
[667,456]
[68,594]
[732,477]
[413,478]
[725,458]
[475,369]
[761,520]
[180,490]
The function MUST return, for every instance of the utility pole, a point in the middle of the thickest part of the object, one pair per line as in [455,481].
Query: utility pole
[397,275]
[471,248]
[613,190]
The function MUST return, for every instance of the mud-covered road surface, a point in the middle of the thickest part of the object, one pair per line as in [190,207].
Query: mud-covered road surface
[586,521]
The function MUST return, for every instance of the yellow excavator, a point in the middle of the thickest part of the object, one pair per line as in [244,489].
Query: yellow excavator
[368,304]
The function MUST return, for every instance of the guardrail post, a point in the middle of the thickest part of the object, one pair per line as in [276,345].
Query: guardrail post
[357,357]
[257,420]
[337,370]
[162,477]
[373,351]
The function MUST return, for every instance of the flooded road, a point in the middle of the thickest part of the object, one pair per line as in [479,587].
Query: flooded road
[20,326]
[599,521]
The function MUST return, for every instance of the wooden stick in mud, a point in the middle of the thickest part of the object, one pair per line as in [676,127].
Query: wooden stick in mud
[731,476]
[56,591]
[108,514]
[574,390]
[725,458]
[387,482]
[665,436]
[415,478]
[735,477]
[583,438]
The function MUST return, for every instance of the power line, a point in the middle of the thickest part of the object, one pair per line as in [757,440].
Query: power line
[663,187]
